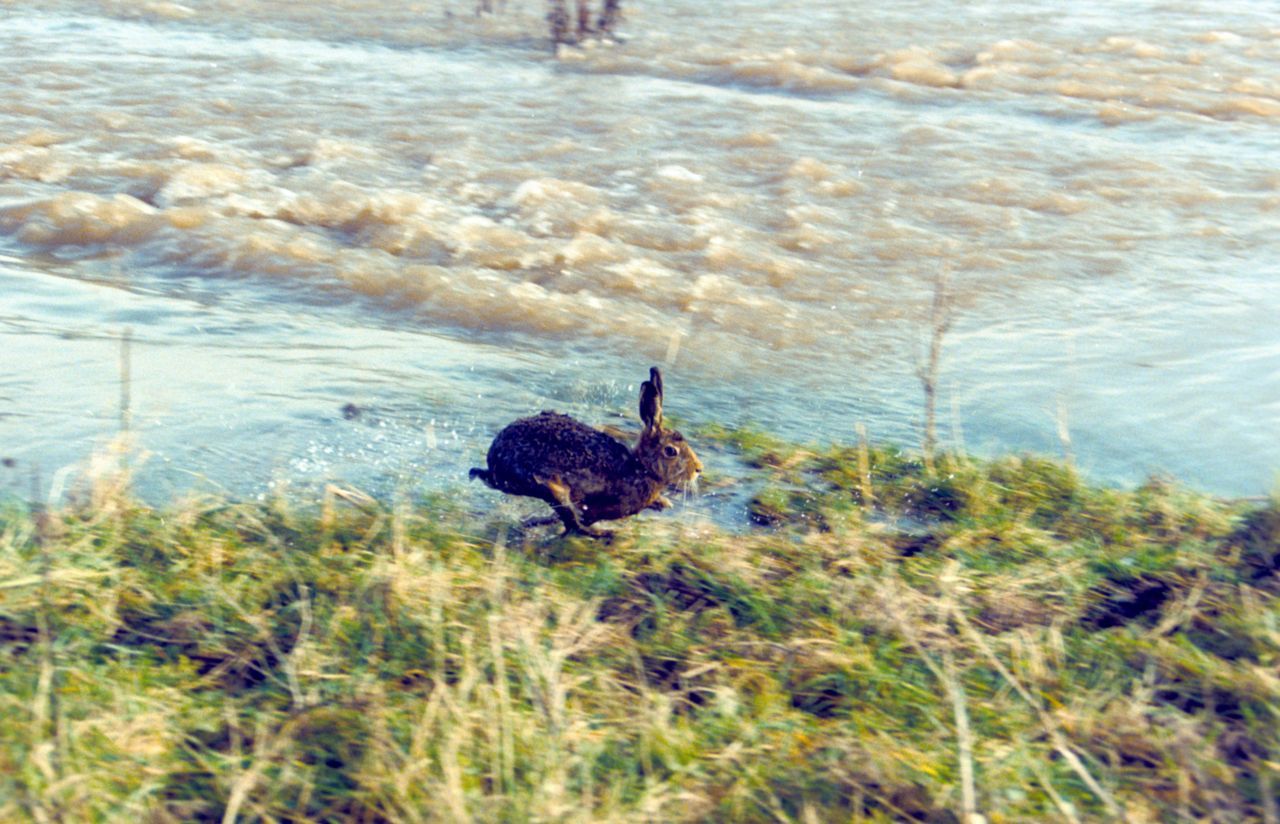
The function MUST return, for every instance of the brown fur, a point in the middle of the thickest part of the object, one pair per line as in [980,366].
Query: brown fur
[585,474]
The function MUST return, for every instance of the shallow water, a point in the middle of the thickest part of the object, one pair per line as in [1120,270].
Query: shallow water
[296,207]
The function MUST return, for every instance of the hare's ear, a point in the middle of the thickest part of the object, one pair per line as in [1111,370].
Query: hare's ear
[655,378]
[651,401]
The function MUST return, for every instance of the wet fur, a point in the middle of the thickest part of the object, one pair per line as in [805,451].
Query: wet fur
[586,475]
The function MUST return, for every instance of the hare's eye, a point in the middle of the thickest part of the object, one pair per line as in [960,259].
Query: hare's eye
[670,451]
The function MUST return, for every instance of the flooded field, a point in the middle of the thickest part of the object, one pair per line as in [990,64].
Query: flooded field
[352,240]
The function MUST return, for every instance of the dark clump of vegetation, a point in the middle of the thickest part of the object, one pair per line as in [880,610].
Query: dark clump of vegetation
[887,642]
[565,26]
[583,24]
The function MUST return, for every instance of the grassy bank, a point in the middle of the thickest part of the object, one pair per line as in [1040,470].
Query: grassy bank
[1000,638]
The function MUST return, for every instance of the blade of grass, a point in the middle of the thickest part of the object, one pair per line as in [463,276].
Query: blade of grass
[964,738]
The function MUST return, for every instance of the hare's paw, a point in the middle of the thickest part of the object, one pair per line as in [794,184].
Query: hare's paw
[662,503]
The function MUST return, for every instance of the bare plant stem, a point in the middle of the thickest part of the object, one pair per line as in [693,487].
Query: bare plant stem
[126,379]
[45,709]
[957,429]
[1064,433]
[864,466]
[940,318]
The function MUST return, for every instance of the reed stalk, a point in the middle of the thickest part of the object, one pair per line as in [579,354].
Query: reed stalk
[941,315]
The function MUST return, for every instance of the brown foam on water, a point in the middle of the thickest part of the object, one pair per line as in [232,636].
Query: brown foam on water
[775,194]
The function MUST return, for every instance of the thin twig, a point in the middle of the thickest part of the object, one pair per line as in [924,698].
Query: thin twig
[126,379]
[957,430]
[940,319]
[864,466]
[1064,432]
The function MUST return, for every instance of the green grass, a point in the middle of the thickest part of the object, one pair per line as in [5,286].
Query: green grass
[1087,653]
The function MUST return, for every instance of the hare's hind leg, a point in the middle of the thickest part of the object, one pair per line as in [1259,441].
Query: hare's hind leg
[560,500]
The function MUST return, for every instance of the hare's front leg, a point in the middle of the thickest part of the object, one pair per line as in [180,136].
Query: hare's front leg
[663,502]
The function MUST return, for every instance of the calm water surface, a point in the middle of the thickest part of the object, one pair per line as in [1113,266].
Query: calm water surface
[296,207]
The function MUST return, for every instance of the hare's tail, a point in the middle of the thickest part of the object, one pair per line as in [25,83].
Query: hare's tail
[482,474]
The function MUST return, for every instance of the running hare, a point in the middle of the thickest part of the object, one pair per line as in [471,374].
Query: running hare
[587,475]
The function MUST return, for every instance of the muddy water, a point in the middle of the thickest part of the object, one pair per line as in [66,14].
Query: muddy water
[428,221]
